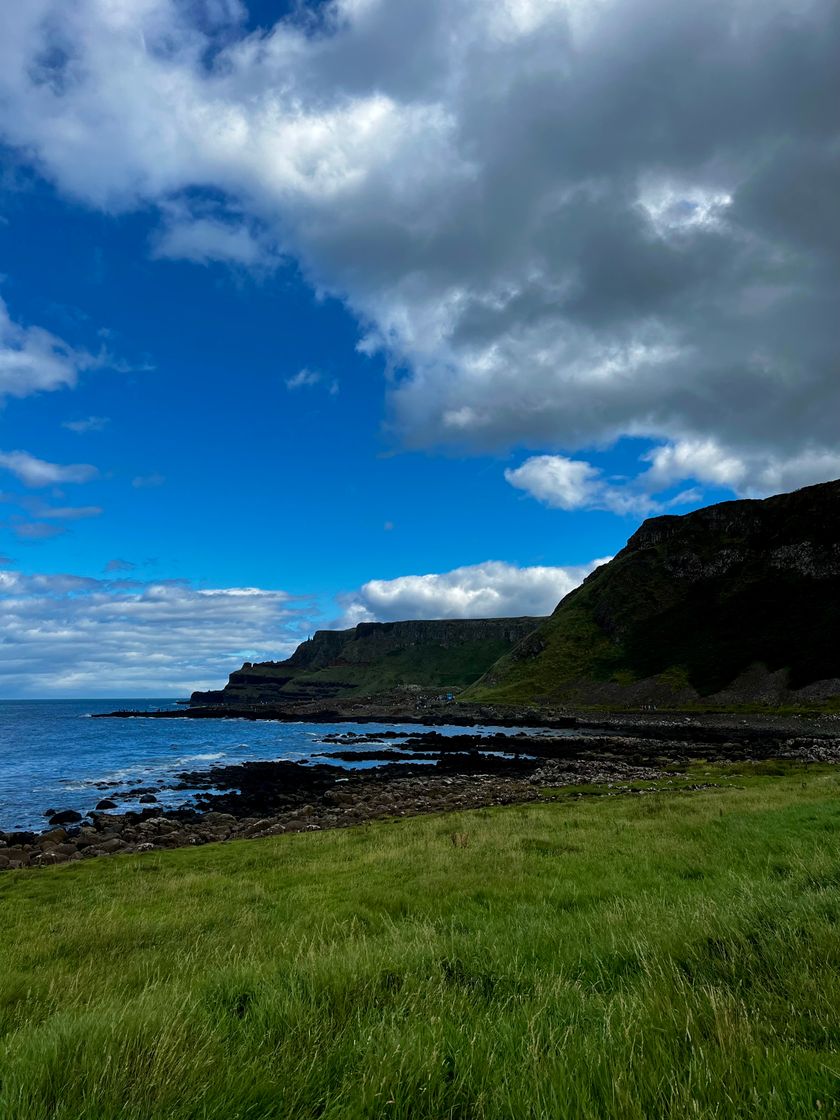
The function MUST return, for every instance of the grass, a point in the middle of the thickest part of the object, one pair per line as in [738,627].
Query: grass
[379,662]
[427,666]
[675,954]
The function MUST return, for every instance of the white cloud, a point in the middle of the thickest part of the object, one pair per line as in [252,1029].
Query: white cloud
[88,424]
[493,589]
[562,222]
[304,378]
[32,360]
[208,239]
[38,472]
[574,484]
[67,635]
[703,460]
[748,475]
[812,465]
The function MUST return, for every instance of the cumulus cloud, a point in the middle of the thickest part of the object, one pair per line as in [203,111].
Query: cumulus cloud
[193,237]
[562,222]
[493,589]
[748,474]
[37,472]
[32,360]
[572,484]
[67,635]
[575,484]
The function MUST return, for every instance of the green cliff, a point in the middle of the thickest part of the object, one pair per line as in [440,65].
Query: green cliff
[737,603]
[374,658]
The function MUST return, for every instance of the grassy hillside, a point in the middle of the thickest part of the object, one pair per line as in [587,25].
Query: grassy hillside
[664,955]
[709,605]
[375,658]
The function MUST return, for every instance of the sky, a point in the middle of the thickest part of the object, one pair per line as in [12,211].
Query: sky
[320,313]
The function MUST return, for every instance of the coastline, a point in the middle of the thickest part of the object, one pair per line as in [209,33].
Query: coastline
[423,772]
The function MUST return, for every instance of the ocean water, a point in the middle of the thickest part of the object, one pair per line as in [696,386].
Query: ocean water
[54,756]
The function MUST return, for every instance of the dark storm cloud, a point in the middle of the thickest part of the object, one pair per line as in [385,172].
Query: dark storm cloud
[566,222]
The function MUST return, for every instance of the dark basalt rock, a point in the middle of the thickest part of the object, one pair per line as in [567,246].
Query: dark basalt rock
[106,803]
[65,816]
[18,837]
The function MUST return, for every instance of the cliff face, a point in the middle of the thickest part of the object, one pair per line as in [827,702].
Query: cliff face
[735,603]
[375,657]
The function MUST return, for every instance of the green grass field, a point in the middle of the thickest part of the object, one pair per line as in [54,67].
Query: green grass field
[658,955]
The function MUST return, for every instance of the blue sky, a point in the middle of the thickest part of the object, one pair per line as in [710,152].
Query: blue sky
[378,312]
[211,467]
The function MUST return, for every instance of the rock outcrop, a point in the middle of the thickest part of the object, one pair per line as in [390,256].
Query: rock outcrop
[737,603]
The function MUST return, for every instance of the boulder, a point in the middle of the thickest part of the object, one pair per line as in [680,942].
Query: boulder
[225,819]
[148,799]
[49,856]
[65,816]
[106,803]
[17,857]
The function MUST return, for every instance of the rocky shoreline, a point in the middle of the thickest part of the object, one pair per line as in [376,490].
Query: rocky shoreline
[422,772]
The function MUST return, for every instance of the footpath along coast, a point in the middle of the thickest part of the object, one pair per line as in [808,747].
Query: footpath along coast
[422,772]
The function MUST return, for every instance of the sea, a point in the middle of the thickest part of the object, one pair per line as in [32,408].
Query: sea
[53,755]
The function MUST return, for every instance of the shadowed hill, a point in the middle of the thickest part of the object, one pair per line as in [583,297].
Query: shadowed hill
[735,603]
[374,658]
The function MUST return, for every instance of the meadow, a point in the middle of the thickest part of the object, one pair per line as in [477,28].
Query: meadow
[658,954]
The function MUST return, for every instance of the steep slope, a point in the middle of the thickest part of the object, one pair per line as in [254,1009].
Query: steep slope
[737,602]
[373,658]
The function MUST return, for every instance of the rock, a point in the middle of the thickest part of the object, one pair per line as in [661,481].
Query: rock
[113,844]
[49,856]
[106,803]
[152,824]
[228,820]
[148,799]
[17,857]
[65,816]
